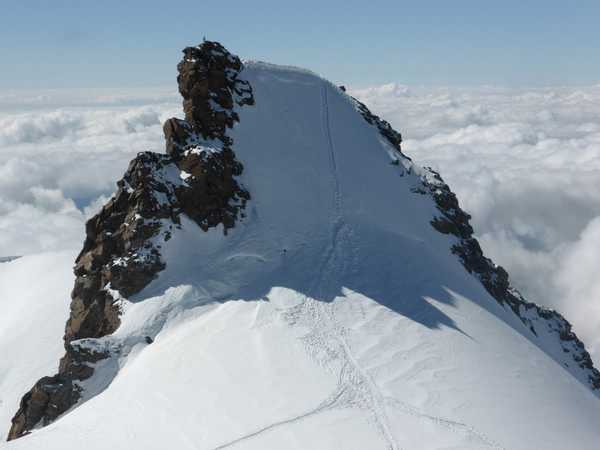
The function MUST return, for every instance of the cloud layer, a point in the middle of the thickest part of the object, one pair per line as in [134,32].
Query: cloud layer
[59,164]
[526,165]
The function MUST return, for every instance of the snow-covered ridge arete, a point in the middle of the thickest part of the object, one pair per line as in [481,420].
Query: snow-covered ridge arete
[337,313]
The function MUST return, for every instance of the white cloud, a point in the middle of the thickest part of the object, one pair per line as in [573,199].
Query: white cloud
[58,165]
[526,165]
[34,128]
[579,283]
[73,125]
[45,220]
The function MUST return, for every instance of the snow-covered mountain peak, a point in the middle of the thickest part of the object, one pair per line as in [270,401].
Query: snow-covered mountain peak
[284,276]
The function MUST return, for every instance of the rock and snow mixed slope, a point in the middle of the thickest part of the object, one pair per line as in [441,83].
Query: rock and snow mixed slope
[347,307]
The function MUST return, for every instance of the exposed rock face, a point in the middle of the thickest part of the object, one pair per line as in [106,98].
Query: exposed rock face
[44,402]
[209,86]
[121,254]
[384,127]
[453,220]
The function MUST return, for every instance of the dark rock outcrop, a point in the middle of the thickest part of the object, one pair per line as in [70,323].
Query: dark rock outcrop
[209,86]
[7,259]
[121,254]
[47,399]
[454,221]
[384,127]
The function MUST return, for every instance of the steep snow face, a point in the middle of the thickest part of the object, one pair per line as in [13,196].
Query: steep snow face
[34,300]
[333,316]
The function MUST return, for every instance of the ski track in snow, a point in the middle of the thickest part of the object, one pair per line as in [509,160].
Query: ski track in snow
[325,343]
[327,132]
[354,385]
[451,425]
[337,223]
[324,406]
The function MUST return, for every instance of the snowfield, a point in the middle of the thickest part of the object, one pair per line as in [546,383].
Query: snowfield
[34,293]
[334,316]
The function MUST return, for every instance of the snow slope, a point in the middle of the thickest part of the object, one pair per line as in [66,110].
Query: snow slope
[34,300]
[333,317]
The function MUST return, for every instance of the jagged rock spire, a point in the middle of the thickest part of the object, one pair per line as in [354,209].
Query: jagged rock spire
[209,84]
[121,254]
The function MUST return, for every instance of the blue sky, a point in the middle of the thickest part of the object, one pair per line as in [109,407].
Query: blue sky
[52,44]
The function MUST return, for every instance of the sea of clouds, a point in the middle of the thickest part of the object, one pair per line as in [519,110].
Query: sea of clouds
[61,153]
[525,163]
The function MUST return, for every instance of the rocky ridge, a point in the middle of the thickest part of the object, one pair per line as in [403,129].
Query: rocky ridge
[121,254]
[454,221]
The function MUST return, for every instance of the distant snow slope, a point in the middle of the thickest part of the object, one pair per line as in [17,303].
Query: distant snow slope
[5,259]
[333,317]
[34,301]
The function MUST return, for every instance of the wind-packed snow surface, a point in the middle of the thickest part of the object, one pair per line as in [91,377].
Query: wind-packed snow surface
[334,316]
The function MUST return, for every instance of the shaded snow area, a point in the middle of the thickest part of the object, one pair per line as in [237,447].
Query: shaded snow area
[333,316]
